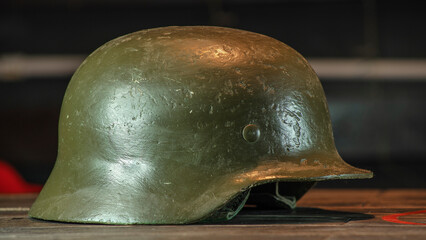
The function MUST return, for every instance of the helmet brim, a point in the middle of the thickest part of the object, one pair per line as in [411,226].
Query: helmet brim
[311,167]
[115,203]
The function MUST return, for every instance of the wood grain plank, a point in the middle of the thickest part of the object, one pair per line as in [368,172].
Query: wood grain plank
[323,214]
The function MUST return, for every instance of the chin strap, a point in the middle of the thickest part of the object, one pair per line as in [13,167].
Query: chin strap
[230,209]
[289,201]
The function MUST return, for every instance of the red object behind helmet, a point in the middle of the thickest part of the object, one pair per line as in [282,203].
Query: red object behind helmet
[12,182]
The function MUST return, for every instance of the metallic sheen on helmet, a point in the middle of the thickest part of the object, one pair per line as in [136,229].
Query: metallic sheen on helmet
[171,125]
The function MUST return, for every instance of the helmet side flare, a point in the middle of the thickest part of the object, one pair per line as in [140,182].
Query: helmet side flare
[167,125]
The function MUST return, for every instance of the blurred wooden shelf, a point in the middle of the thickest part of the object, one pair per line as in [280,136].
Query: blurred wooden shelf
[18,67]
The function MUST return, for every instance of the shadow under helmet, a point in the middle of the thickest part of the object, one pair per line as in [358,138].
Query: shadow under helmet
[175,125]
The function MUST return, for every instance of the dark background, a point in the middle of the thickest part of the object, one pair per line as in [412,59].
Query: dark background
[378,123]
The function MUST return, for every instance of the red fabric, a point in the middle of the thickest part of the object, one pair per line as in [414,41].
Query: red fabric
[12,182]
[394,217]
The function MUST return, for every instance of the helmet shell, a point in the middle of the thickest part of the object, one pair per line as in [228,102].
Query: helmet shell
[165,126]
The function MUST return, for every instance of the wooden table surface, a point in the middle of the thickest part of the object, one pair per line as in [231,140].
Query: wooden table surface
[322,214]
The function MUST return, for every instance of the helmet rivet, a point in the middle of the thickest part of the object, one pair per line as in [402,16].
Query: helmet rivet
[251,133]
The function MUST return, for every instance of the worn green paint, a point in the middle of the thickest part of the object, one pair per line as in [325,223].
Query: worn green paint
[152,125]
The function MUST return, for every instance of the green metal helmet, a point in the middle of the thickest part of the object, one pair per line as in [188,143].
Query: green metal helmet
[175,125]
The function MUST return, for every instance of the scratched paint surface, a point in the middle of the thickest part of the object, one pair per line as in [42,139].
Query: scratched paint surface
[151,127]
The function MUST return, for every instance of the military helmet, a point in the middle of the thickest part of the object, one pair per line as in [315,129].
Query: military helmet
[175,125]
